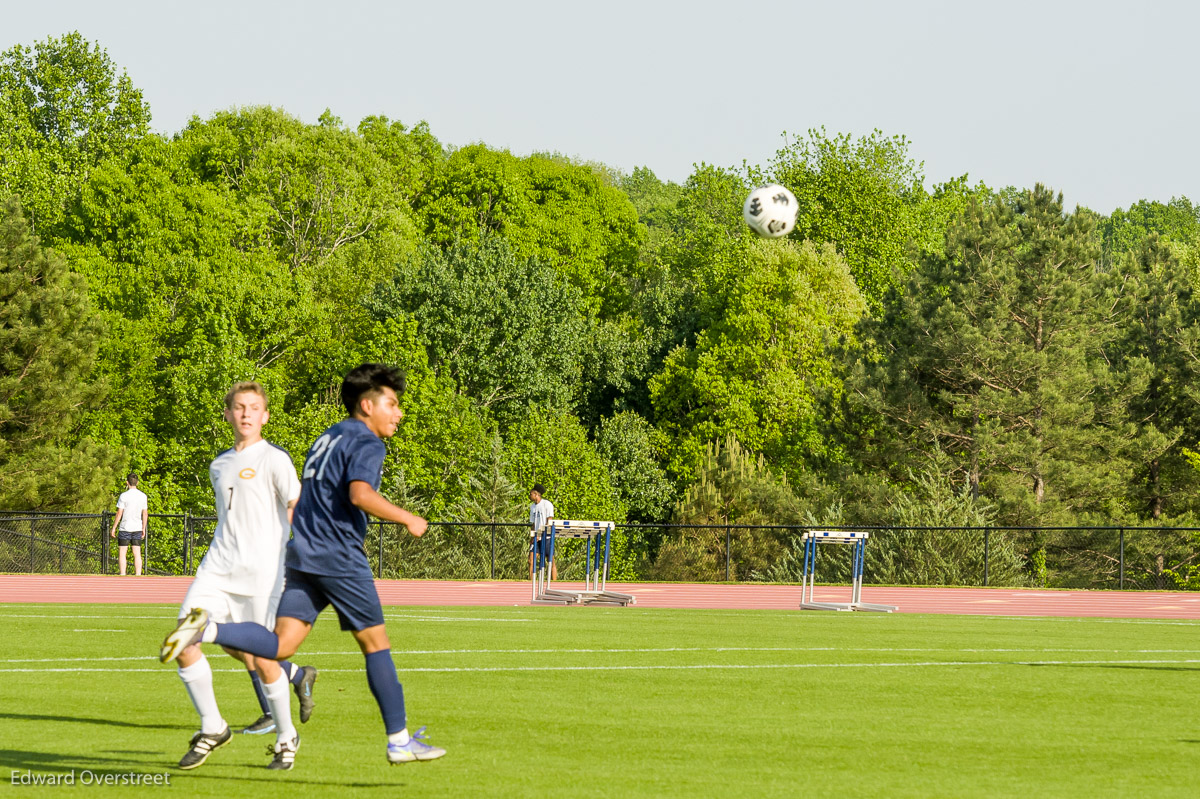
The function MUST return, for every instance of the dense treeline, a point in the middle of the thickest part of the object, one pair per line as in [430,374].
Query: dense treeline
[965,354]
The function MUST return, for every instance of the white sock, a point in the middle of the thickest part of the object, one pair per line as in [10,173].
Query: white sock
[210,633]
[399,737]
[290,670]
[198,680]
[279,697]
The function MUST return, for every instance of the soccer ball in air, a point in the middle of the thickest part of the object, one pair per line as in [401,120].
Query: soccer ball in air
[770,211]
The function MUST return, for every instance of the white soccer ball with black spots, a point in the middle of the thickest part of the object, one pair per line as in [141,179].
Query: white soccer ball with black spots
[770,211]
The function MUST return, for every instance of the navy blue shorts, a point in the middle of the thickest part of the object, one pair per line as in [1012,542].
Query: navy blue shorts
[126,539]
[355,599]
[533,544]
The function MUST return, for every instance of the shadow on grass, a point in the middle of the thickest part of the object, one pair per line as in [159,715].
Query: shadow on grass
[1147,667]
[85,720]
[75,761]
[156,763]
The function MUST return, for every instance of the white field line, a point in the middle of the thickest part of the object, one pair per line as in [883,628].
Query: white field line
[783,614]
[681,667]
[1090,619]
[109,616]
[168,616]
[411,652]
[652,650]
[452,618]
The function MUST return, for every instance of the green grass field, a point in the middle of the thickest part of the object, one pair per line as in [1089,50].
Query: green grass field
[620,702]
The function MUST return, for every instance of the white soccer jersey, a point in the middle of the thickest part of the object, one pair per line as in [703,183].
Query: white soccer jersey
[539,513]
[252,488]
[133,502]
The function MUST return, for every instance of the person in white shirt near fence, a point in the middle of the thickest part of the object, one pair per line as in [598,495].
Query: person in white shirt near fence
[541,511]
[133,514]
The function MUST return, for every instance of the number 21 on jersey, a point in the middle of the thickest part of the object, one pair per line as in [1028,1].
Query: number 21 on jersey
[319,457]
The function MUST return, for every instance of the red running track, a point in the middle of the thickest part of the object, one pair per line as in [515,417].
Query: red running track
[975,601]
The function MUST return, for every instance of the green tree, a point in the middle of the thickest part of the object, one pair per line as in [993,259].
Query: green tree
[733,486]
[413,154]
[552,448]
[48,342]
[754,372]
[562,213]
[634,451]
[1163,330]
[867,198]
[1177,221]
[991,366]
[508,329]
[63,110]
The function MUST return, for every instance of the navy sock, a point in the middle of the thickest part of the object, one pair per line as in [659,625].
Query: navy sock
[259,692]
[246,636]
[294,674]
[385,685]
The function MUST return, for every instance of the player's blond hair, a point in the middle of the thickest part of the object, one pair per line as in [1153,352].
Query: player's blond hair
[243,387]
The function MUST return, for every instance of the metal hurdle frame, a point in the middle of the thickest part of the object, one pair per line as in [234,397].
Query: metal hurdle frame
[595,591]
[858,541]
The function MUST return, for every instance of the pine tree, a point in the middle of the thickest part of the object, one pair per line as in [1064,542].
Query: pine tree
[1163,330]
[734,487]
[48,342]
[994,359]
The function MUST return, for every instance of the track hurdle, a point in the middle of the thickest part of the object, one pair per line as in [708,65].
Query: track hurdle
[858,542]
[597,539]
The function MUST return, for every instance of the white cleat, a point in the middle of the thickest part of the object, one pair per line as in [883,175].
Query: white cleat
[190,629]
[415,749]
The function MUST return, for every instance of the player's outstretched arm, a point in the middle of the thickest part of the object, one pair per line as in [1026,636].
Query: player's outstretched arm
[368,499]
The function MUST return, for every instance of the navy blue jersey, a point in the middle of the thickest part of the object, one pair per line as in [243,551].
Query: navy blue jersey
[327,530]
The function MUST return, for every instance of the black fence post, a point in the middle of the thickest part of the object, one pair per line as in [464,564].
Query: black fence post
[493,572]
[104,542]
[379,525]
[32,534]
[187,542]
[987,551]
[1121,582]
[727,556]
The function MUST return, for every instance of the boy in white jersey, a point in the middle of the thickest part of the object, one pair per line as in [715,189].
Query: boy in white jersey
[241,576]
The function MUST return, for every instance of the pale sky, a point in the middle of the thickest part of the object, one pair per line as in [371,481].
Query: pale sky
[1096,99]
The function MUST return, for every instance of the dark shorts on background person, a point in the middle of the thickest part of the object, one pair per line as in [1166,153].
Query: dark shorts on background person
[545,544]
[355,599]
[130,539]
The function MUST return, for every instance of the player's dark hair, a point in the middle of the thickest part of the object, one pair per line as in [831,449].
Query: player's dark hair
[369,379]
[541,489]
[131,479]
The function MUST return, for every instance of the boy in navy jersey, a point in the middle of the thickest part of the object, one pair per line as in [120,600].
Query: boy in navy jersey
[327,565]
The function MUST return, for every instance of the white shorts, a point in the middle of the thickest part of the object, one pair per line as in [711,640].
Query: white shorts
[224,607]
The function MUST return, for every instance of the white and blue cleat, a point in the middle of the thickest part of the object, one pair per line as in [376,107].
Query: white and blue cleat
[416,749]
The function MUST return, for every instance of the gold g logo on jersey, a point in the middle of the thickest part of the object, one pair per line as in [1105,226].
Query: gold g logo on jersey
[247,473]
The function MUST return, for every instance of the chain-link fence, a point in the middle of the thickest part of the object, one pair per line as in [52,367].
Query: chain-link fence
[61,543]
[1052,557]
